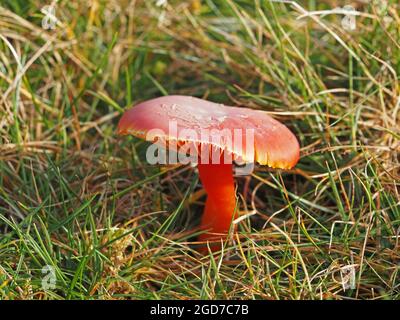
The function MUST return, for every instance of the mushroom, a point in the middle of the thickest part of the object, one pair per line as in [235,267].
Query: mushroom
[183,123]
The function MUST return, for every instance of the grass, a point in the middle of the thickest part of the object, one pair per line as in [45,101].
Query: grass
[78,198]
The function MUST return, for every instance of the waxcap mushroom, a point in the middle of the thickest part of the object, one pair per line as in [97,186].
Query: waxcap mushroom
[271,144]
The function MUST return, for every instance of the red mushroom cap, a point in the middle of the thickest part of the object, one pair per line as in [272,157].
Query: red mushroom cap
[274,144]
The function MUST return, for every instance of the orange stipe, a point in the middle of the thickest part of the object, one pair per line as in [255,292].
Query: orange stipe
[217,180]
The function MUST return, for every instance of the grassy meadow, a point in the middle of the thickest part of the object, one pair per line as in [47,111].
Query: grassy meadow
[80,203]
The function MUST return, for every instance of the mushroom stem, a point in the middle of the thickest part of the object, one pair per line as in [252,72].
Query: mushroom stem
[217,180]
